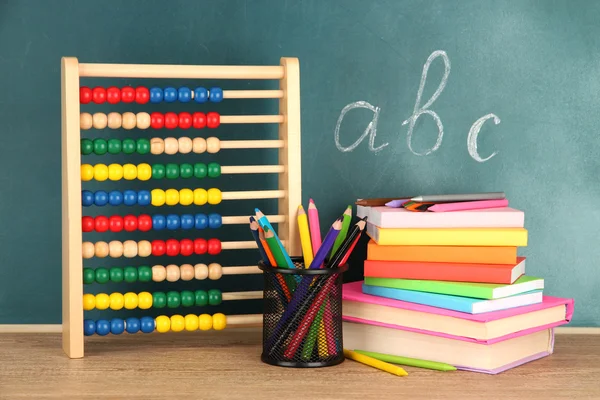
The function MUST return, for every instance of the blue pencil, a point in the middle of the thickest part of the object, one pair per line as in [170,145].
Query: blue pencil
[264,222]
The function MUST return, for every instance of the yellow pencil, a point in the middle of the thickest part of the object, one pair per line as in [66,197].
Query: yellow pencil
[305,236]
[372,362]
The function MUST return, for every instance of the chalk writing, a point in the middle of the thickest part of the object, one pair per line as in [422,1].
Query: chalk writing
[474,133]
[371,128]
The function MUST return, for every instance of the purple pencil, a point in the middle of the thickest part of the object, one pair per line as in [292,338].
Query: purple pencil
[327,244]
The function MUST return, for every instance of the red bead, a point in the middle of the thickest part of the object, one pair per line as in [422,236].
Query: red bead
[85,95]
[99,95]
[142,95]
[115,223]
[87,224]
[130,223]
[113,95]
[172,247]
[199,120]
[200,246]
[214,246]
[186,247]
[171,120]
[157,120]
[127,94]
[158,247]
[101,223]
[213,119]
[144,222]
[185,120]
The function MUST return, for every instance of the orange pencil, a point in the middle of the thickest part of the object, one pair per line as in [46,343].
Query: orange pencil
[261,236]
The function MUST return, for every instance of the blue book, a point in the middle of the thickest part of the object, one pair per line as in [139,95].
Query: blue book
[456,303]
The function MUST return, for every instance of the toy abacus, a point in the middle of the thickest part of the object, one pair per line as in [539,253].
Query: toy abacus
[76,146]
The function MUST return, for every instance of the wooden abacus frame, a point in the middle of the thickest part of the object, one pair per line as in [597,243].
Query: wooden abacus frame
[289,187]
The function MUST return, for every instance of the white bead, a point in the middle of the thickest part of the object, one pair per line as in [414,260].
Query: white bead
[128,120]
[88,251]
[199,145]
[213,145]
[85,121]
[159,273]
[99,120]
[171,145]
[142,120]
[185,145]
[101,249]
[114,120]
[130,248]
[115,249]
[157,146]
[200,271]
[215,271]
[144,248]
[173,273]
[187,272]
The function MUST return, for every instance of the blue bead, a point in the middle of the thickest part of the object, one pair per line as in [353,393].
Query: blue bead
[187,221]
[115,198]
[147,324]
[173,222]
[156,95]
[170,95]
[102,327]
[100,198]
[184,94]
[201,221]
[89,327]
[216,94]
[117,326]
[200,95]
[87,198]
[132,325]
[214,220]
[158,222]
[144,198]
[130,198]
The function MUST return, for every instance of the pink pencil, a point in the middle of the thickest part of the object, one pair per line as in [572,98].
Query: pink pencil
[468,205]
[315,227]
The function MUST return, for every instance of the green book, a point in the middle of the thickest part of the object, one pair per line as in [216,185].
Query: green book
[464,289]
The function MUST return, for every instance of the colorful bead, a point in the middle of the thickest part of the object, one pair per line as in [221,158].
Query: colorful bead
[130,198]
[101,223]
[184,94]
[101,275]
[186,197]
[87,172]
[216,94]
[215,271]
[177,323]
[115,198]
[163,324]
[158,171]
[115,172]
[98,95]
[213,119]
[200,170]
[200,221]
[159,273]
[100,146]
[130,249]
[204,322]
[157,146]
[100,172]
[156,95]
[172,250]
[115,223]
[171,146]
[87,224]
[173,222]
[213,145]
[102,327]
[214,297]
[214,170]
[187,220]
[185,144]
[102,301]
[200,271]
[191,323]
[201,298]
[199,120]
[159,248]
[171,120]
[142,146]
[157,120]
[144,248]
[173,299]
[89,302]
[214,246]
[144,222]
[142,120]
[85,95]
[200,95]
[142,95]
[129,172]
[172,171]
[147,324]
[130,223]
[144,172]
[116,301]
[199,145]
[144,273]
[99,120]
[171,197]
[219,321]
[186,272]
[200,197]
[85,121]
[130,300]
[101,249]
[159,222]
[87,250]
[159,299]
[116,274]
[114,146]
[200,246]
[117,326]
[127,94]
[143,198]
[214,220]
[130,274]
[87,147]
[89,327]
[88,276]
[187,298]
[132,325]
[114,120]
[128,146]
[173,272]
[214,196]
[144,300]
[185,120]
[186,247]
[128,120]
[113,95]
[170,94]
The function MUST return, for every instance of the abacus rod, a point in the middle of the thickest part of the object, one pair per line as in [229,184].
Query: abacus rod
[252,169]
[251,119]
[251,295]
[242,219]
[99,70]
[251,195]
[252,94]
[241,270]
[251,144]
[242,321]
[250,244]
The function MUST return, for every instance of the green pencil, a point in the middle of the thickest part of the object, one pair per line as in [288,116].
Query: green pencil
[347,218]
[413,362]
[275,249]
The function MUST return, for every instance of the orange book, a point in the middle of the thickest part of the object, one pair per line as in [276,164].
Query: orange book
[450,254]
[442,271]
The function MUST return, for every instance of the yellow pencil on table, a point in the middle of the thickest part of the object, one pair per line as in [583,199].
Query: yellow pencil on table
[307,251]
[372,362]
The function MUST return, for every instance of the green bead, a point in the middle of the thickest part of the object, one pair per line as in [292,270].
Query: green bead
[87,147]
[158,171]
[114,146]
[102,275]
[128,146]
[200,170]
[100,146]
[201,297]
[214,297]
[130,274]
[143,146]
[172,171]
[173,299]
[116,274]
[88,276]
[214,170]
[159,299]
[187,298]
[144,273]
[186,170]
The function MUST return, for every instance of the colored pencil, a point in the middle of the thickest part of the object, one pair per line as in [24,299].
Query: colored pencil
[326,245]
[264,223]
[373,362]
[312,338]
[254,230]
[468,205]
[441,198]
[315,227]
[396,203]
[346,218]
[412,362]
[376,202]
[261,237]
[307,251]
[344,249]
[275,249]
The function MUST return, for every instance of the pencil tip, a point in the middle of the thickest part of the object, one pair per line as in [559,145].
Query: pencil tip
[300,207]
[310,200]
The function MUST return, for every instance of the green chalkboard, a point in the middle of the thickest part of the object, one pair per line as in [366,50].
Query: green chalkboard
[397,97]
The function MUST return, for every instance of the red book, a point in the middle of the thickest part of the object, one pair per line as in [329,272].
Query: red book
[440,271]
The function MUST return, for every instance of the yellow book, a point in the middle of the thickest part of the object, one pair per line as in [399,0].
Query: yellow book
[516,237]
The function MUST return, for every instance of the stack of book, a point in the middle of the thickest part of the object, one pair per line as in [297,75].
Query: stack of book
[450,287]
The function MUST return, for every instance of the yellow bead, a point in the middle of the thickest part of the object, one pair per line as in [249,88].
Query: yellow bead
[158,197]
[116,301]
[129,172]
[214,196]
[200,197]
[219,321]
[131,300]
[100,172]
[144,172]
[144,300]
[191,322]
[115,172]
[205,322]
[171,197]
[186,197]
[177,323]
[102,301]
[163,324]
[87,172]
[89,302]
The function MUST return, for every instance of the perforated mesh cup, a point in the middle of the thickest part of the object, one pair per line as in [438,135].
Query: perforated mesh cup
[302,316]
